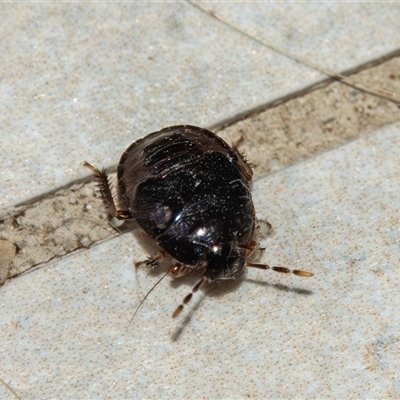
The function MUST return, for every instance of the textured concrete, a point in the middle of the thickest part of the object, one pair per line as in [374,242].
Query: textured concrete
[80,82]
[333,335]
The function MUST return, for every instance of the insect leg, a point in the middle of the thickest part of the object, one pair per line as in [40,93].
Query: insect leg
[105,190]
[153,261]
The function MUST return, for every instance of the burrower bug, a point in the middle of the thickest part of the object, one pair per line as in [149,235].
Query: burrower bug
[190,192]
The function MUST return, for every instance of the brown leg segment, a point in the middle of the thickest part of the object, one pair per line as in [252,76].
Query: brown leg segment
[105,190]
[152,262]
[179,270]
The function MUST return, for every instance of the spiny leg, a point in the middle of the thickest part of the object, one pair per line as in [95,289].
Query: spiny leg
[105,190]
[153,261]
[283,270]
[238,142]
[243,162]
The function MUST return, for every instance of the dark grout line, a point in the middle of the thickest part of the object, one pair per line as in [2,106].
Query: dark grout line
[302,92]
[317,121]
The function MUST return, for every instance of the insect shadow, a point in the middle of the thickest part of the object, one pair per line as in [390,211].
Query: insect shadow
[219,289]
[215,290]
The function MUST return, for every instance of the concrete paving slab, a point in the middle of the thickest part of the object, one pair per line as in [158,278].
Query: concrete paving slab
[334,35]
[66,327]
[82,82]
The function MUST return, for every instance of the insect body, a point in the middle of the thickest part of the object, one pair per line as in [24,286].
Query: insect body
[190,192]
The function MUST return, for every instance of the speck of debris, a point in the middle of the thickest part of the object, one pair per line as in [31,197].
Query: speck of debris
[8,251]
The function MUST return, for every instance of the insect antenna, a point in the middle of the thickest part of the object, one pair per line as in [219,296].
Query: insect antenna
[147,295]
[9,388]
[186,300]
[283,270]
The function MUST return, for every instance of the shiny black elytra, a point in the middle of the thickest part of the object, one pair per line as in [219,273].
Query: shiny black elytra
[190,192]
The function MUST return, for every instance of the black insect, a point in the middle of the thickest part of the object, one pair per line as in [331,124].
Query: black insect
[190,192]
